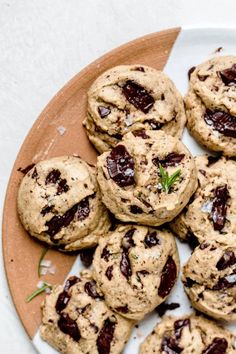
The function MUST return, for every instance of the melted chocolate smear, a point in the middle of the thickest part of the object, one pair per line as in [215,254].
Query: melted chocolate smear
[179,325]
[213,159]
[162,308]
[151,239]
[138,96]
[80,211]
[168,277]
[125,266]
[105,254]
[172,159]
[105,337]
[227,282]
[128,239]
[222,122]
[62,301]
[46,209]
[218,346]
[86,256]
[26,169]
[154,124]
[91,290]
[170,346]
[109,272]
[228,259]
[228,76]
[120,166]
[134,209]
[69,326]
[123,309]
[219,207]
[103,111]
[141,133]
[191,70]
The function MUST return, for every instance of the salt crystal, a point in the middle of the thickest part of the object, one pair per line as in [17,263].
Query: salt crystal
[207,207]
[40,284]
[43,270]
[52,269]
[61,130]
[46,263]
[129,120]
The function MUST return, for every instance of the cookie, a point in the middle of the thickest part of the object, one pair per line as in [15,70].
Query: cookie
[131,97]
[59,202]
[209,278]
[188,335]
[133,185]
[211,104]
[77,320]
[211,211]
[136,268]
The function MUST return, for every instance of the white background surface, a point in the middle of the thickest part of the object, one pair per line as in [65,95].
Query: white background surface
[43,43]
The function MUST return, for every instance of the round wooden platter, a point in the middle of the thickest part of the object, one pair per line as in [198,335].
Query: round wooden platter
[67,109]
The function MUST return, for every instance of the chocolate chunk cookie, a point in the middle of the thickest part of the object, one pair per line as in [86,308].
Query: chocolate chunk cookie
[59,202]
[132,97]
[188,335]
[77,320]
[211,104]
[136,268]
[209,278]
[211,212]
[148,178]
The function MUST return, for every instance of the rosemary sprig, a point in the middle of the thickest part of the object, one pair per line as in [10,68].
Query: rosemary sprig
[38,291]
[166,180]
[40,261]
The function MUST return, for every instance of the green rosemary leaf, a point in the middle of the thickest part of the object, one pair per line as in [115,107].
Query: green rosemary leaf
[40,260]
[166,180]
[38,291]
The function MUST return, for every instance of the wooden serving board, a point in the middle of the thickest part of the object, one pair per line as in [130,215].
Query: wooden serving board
[67,109]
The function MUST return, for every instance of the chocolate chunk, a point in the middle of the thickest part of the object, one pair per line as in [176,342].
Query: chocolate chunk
[26,169]
[154,124]
[203,245]
[79,211]
[226,282]
[170,345]
[139,68]
[168,277]
[70,282]
[213,159]
[103,111]
[221,121]
[226,260]
[62,301]
[69,326]
[128,239]
[86,256]
[105,337]
[141,133]
[125,266]
[117,136]
[138,96]
[162,308]
[34,174]
[120,166]
[179,325]
[218,346]
[192,240]
[189,282]
[109,272]
[91,290]
[134,209]
[123,309]
[202,77]
[46,209]
[219,207]
[191,70]
[53,177]
[228,76]
[151,239]
[105,254]
[172,159]
[62,186]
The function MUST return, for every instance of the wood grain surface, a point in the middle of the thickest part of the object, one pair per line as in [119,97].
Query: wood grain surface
[67,109]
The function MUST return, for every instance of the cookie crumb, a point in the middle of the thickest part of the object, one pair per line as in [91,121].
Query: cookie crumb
[218,50]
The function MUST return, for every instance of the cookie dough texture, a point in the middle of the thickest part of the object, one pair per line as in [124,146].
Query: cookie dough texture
[197,219]
[136,268]
[77,320]
[188,335]
[209,278]
[141,197]
[59,202]
[212,89]
[130,97]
